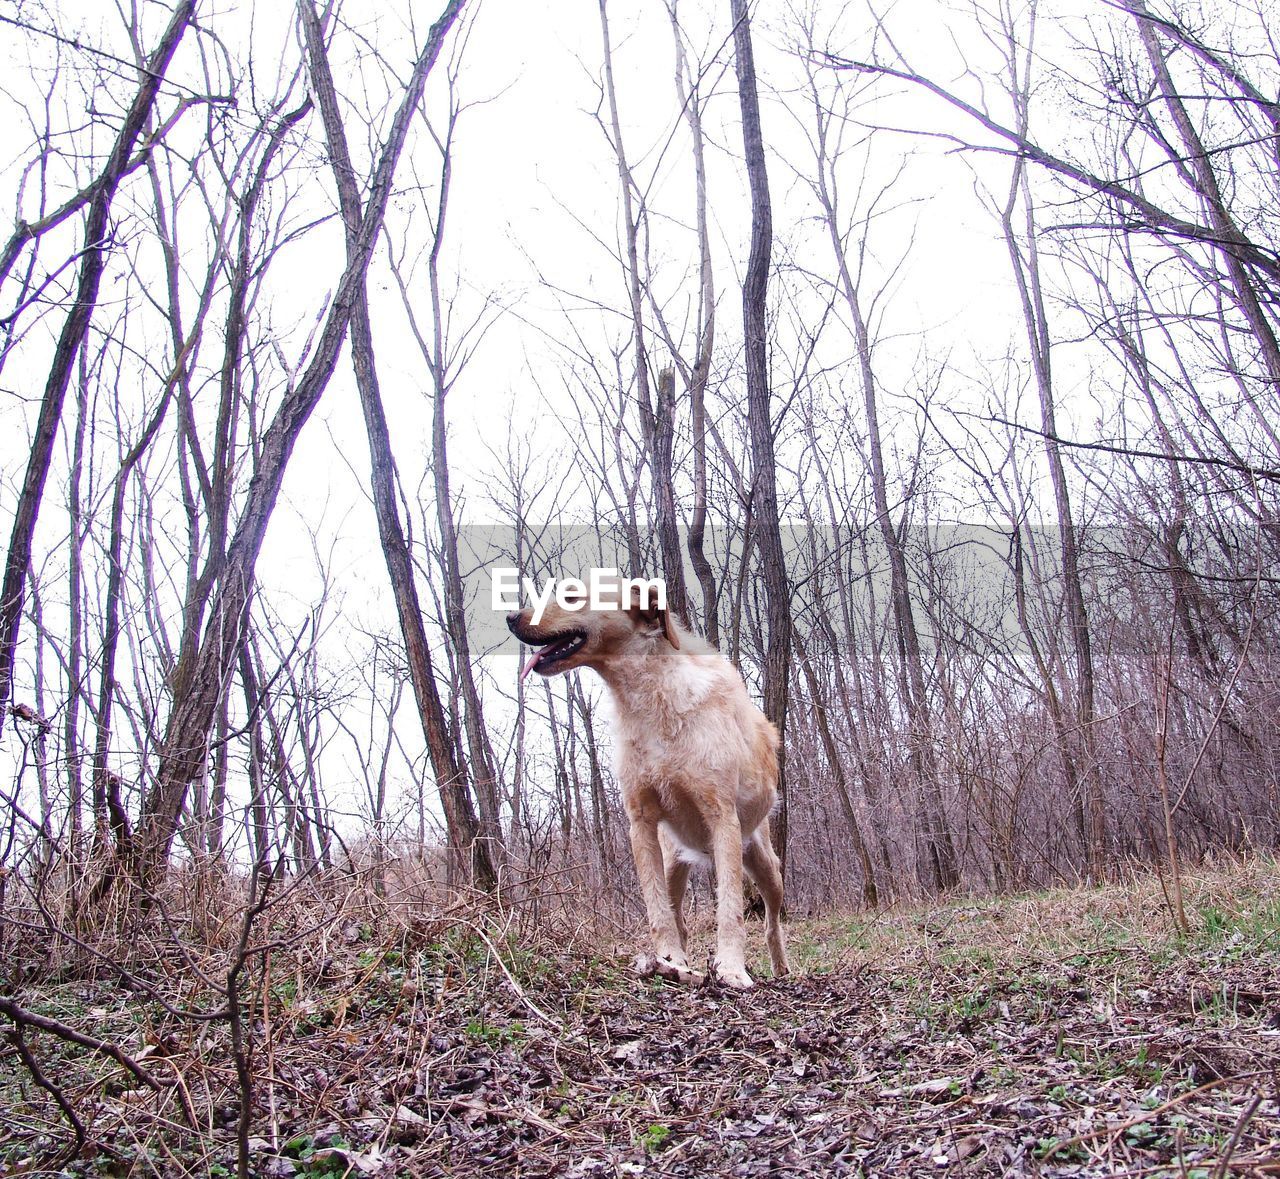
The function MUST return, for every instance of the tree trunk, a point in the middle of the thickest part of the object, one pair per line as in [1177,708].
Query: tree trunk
[75,618]
[483,762]
[700,373]
[656,427]
[764,493]
[1204,181]
[451,779]
[1026,272]
[940,862]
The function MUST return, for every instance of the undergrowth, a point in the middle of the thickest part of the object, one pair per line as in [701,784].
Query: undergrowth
[1072,1032]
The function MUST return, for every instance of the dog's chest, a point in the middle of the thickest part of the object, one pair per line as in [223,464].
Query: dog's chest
[695,748]
[681,725]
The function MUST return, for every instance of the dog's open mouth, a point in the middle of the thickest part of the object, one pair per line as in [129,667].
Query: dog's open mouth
[545,658]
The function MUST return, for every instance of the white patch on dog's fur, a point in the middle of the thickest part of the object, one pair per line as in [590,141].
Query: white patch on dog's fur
[686,854]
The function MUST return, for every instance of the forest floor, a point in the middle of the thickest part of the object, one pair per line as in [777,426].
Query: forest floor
[1068,1033]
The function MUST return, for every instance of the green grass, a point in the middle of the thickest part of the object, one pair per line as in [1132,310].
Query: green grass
[495,1035]
[655,1137]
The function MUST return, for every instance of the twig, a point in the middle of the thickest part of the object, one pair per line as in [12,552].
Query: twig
[1115,1131]
[19,1042]
[515,986]
[23,1018]
[1244,1119]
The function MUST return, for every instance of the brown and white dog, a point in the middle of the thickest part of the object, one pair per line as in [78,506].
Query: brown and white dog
[697,763]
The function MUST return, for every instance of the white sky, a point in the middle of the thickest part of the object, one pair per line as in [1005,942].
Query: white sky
[534,182]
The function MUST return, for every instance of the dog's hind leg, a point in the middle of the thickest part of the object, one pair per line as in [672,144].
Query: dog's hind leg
[761,864]
[677,882]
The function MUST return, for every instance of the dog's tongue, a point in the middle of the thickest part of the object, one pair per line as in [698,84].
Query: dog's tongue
[529,663]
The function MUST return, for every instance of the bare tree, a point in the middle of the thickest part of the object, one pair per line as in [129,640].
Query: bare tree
[698,373]
[760,422]
[71,339]
[463,828]
[1024,259]
[941,868]
[445,357]
[657,418]
[194,707]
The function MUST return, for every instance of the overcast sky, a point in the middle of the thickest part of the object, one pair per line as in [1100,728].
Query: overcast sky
[533,221]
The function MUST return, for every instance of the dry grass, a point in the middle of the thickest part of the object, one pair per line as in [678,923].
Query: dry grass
[1068,1033]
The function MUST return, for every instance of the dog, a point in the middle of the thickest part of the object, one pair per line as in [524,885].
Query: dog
[696,760]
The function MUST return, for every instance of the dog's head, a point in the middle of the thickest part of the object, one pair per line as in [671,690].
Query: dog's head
[572,634]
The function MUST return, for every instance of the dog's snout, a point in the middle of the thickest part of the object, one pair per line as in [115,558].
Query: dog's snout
[513,619]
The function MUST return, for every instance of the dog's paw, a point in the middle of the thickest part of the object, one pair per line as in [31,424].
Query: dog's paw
[648,965]
[733,976]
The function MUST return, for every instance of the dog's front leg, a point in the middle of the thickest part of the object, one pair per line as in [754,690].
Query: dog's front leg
[731,930]
[671,960]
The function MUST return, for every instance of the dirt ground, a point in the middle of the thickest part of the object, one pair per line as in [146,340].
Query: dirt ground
[1064,1034]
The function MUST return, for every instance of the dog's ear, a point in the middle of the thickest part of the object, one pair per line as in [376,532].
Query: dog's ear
[655,616]
[668,628]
